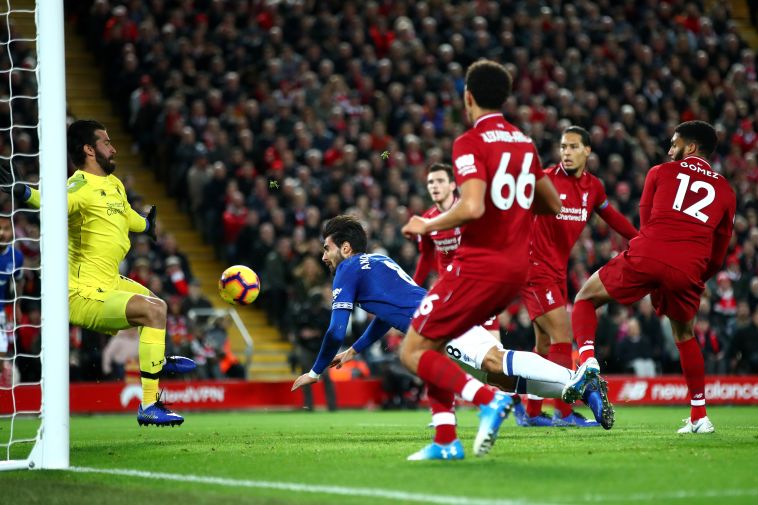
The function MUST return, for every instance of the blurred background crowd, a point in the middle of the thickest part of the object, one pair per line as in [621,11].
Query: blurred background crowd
[264,118]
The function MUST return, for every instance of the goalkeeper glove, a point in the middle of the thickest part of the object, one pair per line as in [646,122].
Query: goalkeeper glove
[20,190]
[150,230]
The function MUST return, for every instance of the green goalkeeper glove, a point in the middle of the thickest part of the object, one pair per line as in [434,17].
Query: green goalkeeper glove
[7,177]
[150,230]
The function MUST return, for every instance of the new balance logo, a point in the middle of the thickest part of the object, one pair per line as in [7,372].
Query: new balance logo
[633,391]
[549,297]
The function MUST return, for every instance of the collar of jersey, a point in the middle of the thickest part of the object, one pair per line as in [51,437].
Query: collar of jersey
[699,158]
[488,116]
[95,180]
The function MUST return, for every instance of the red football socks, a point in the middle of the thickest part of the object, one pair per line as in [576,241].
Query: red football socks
[584,324]
[443,415]
[436,369]
[693,369]
[560,354]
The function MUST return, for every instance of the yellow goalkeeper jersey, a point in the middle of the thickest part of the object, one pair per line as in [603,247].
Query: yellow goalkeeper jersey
[99,221]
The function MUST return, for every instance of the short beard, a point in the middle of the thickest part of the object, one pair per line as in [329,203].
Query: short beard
[679,155]
[571,171]
[107,165]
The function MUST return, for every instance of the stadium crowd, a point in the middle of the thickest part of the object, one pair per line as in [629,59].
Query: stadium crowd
[265,118]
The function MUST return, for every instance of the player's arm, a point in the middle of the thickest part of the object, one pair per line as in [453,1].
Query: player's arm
[546,199]
[375,330]
[425,259]
[617,221]
[721,238]
[333,339]
[646,200]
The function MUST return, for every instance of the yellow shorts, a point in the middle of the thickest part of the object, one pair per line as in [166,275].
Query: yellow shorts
[104,310]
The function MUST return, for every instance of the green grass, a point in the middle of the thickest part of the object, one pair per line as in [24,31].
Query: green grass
[642,460]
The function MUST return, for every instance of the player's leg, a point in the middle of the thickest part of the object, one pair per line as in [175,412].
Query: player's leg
[592,295]
[533,412]
[555,324]
[693,369]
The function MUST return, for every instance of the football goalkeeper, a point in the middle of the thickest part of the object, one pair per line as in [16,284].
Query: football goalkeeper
[99,221]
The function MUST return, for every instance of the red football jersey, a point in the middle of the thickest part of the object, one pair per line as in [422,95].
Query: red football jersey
[436,248]
[683,205]
[554,236]
[496,246]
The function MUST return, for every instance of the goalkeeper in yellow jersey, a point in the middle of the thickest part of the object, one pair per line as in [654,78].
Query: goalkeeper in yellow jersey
[99,221]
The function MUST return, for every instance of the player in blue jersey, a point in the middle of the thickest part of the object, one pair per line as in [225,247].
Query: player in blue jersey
[379,286]
[11,261]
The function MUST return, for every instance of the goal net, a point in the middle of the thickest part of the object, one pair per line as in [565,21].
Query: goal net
[34,337]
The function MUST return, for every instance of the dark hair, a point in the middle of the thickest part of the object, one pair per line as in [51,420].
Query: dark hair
[348,229]
[441,167]
[81,133]
[578,130]
[490,84]
[700,133]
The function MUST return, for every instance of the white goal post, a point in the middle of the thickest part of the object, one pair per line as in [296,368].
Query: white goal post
[51,446]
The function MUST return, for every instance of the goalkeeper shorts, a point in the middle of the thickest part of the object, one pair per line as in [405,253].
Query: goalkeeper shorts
[102,310]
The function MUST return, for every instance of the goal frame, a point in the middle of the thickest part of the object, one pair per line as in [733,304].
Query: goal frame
[51,448]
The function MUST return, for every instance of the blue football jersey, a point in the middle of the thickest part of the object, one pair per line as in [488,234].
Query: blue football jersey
[379,286]
[11,261]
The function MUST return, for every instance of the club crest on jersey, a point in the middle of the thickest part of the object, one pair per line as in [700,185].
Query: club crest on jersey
[585,196]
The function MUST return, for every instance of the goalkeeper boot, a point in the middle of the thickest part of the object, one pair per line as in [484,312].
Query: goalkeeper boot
[596,398]
[453,450]
[158,414]
[491,416]
[574,419]
[177,365]
[574,388]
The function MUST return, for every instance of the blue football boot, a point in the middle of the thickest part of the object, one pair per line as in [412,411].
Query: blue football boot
[177,365]
[453,450]
[158,414]
[523,419]
[575,419]
[491,416]
[596,398]
[574,388]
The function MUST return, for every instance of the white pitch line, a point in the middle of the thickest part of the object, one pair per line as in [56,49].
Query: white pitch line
[671,495]
[307,488]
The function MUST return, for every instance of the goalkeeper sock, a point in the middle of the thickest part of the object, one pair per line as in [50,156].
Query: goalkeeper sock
[152,350]
[584,324]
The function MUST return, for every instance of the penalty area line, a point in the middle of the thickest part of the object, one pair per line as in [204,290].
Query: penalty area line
[299,487]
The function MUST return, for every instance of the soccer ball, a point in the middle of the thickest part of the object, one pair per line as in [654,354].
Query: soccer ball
[239,285]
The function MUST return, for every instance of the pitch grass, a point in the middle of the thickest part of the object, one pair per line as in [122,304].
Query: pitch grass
[642,460]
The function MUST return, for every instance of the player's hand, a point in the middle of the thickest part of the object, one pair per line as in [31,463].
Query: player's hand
[150,232]
[6,181]
[303,380]
[416,225]
[343,358]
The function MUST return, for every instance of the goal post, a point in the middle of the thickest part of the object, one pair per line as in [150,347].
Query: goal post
[51,447]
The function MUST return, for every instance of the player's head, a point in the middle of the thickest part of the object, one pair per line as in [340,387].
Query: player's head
[343,237]
[488,84]
[87,139]
[440,182]
[6,230]
[693,138]
[575,149]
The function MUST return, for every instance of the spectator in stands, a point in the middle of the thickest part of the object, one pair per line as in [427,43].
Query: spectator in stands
[743,352]
[121,349]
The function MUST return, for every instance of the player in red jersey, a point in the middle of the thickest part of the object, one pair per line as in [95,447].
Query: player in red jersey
[498,173]
[437,248]
[686,217]
[544,295]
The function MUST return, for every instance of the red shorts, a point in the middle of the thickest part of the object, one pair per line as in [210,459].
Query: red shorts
[455,304]
[542,297]
[629,278]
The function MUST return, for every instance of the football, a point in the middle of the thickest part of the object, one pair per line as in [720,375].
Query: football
[239,285]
